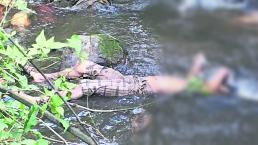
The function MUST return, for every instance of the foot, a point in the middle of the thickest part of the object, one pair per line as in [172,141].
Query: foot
[218,80]
[199,62]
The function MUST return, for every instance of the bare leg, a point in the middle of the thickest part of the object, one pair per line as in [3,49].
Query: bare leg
[199,62]
[167,85]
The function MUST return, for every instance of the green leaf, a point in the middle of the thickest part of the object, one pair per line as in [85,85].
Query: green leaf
[32,118]
[41,39]
[32,87]
[56,101]
[28,142]
[37,133]
[60,110]
[33,51]
[2,105]
[23,81]
[3,125]
[76,43]
[64,85]
[83,56]
[43,109]
[41,142]
[65,124]
[43,46]
[54,45]
[16,143]
[17,134]
[21,5]
[4,135]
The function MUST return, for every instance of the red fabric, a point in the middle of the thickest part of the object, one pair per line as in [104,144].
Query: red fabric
[46,13]
[2,9]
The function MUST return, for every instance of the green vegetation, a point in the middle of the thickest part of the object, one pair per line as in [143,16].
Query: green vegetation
[110,47]
[197,85]
[16,120]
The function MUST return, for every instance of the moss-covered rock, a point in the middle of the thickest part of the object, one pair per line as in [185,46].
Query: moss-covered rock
[95,4]
[110,48]
[101,48]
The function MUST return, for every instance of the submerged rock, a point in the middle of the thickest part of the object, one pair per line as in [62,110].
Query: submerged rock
[102,49]
[64,3]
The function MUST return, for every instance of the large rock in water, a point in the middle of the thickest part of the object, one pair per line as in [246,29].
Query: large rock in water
[102,49]
[96,5]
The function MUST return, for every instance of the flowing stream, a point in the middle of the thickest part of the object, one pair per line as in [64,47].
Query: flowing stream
[159,39]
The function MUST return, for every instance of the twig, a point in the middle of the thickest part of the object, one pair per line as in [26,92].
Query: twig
[49,66]
[52,130]
[96,129]
[76,132]
[55,140]
[107,111]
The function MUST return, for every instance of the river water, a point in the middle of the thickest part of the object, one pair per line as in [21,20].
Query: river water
[158,40]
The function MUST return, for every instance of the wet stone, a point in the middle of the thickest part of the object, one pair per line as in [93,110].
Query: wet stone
[94,5]
[102,49]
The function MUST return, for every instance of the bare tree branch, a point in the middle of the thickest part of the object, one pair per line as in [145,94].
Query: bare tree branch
[76,132]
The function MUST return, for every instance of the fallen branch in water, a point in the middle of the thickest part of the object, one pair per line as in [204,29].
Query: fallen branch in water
[54,140]
[76,132]
[107,111]
[52,130]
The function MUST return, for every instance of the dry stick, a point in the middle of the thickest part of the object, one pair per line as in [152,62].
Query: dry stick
[97,130]
[76,132]
[53,87]
[49,66]
[54,140]
[52,130]
[95,127]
